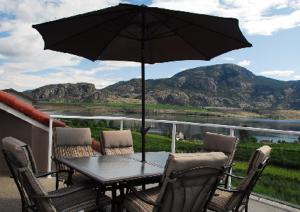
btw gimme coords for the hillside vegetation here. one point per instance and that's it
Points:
(225, 85)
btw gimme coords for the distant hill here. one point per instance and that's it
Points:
(225, 85)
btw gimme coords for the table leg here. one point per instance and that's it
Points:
(114, 198)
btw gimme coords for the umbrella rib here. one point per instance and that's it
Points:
(175, 32)
(208, 29)
(86, 30)
(116, 34)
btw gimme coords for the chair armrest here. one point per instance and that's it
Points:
(38, 175)
(60, 194)
(228, 190)
(234, 176)
(138, 195)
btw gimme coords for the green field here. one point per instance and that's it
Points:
(281, 179)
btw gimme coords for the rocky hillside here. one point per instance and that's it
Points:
(225, 85)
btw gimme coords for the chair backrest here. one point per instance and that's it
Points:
(71, 143)
(116, 142)
(18, 155)
(189, 181)
(256, 165)
(16, 150)
(213, 142)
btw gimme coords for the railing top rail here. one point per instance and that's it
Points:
(288, 132)
(87, 117)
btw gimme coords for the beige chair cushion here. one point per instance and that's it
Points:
(14, 147)
(117, 142)
(182, 161)
(189, 192)
(65, 136)
(133, 204)
(258, 157)
(213, 142)
(119, 138)
(119, 151)
(219, 200)
(196, 189)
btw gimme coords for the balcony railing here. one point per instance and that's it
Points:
(174, 124)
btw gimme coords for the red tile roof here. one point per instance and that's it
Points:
(28, 110)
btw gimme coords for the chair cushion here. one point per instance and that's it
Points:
(14, 147)
(219, 200)
(182, 161)
(118, 138)
(84, 200)
(73, 151)
(65, 136)
(186, 161)
(119, 151)
(134, 204)
(258, 157)
(213, 142)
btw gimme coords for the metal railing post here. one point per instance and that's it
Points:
(173, 145)
(121, 124)
(228, 186)
(50, 144)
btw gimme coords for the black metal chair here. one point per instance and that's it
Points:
(33, 195)
(188, 184)
(225, 200)
(70, 143)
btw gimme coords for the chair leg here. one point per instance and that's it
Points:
(56, 181)
(246, 207)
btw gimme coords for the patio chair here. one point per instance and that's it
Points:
(213, 142)
(9, 144)
(237, 199)
(33, 195)
(71, 143)
(116, 142)
(188, 183)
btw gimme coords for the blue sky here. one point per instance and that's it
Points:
(272, 26)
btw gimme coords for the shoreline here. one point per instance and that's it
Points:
(126, 108)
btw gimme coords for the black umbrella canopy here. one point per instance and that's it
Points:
(118, 33)
(143, 34)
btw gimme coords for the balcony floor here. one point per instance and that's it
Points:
(10, 199)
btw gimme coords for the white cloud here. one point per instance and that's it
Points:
(22, 53)
(256, 16)
(22, 46)
(296, 77)
(278, 73)
(244, 63)
(24, 81)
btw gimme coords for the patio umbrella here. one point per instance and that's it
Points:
(143, 34)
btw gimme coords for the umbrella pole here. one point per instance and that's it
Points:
(143, 129)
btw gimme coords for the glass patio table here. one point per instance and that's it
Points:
(111, 169)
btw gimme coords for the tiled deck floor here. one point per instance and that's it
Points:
(10, 199)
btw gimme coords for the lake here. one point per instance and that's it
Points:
(196, 132)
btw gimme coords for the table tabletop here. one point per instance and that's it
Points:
(110, 169)
(155, 158)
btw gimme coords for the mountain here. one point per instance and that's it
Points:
(224, 85)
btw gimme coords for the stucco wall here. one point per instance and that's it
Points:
(35, 137)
